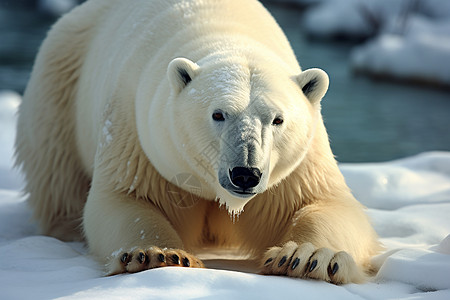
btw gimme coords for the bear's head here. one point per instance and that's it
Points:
(243, 126)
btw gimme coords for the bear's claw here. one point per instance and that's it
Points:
(306, 261)
(139, 260)
(125, 258)
(332, 271)
(175, 259)
(313, 265)
(186, 262)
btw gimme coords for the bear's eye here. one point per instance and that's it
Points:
(218, 116)
(277, 121)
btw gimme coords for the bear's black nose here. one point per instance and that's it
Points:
(245, 178)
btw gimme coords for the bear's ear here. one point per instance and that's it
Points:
(314, 84)
(181, 71)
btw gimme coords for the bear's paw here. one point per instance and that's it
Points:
(307, 261)
(138, 259)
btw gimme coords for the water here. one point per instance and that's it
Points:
(366, 120)
(369, 120)
(21, 32)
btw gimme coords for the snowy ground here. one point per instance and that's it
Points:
(408, 201)
(408, 40)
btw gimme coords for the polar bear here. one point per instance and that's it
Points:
(153, 129)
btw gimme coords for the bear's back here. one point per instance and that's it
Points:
(160, 24)
(142, 33)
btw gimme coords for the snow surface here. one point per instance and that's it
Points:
(408, 201)
(407, 39)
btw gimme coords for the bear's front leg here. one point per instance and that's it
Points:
(332, 242)
(129, 234)
(307, 261)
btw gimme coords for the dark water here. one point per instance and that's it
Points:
(21, 32)
(366, 120)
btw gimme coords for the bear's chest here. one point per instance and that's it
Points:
(218, 228)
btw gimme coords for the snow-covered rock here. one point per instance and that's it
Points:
(408, 40)
(421, 53)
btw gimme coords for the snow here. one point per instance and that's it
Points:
(107, 132)
(56, 7)
(9, 103)
(420, 53)
(407, 40)
(408, 201)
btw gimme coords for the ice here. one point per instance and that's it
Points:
(420, 54)
(56, 7)
(8, 106)
(9, 102)
(408, 40)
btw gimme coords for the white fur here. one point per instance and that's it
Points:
(120, 102)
